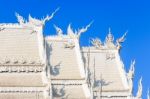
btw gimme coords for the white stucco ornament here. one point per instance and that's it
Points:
(109, 41)
(130, 76)
(20, 19)
(34, 21)
(77, 33)
(59, 31)
(97, 43)
(140, 88)
(120, 40)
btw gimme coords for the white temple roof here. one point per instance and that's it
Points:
(19, 45)
(108, 68)
(65, 62)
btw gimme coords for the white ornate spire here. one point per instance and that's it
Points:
(140, 88)
(58, 30)
(109, 41)
(110, 37)
(20, 18)
(130, 76)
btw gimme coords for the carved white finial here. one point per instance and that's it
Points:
(82, 30)
(121, 40)
(132, 68)
(58, 30)
(20, 18)
(49, 17)
(130, 76)
(34, 21)
(140, 88)
(77, 34)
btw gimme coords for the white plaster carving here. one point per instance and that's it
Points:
(20, 69)
(140, 88)
(110, 56)
(109, 41)
(49, 17)
(130, 76)
(77, 33)
(19, 61)
(97, 43)
(58, 31)
(120, 40)
(20, 19)
(69, 44)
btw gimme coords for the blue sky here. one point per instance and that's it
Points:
(120, 15)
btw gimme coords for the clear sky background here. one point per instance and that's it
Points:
(120, 15)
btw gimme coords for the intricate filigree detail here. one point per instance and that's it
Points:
(19, 61)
